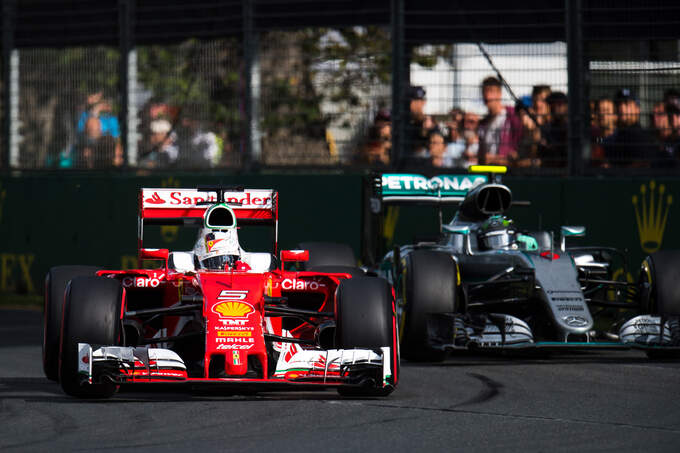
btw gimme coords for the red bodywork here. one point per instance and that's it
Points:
(236, 326)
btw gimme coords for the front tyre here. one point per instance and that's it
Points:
(365, 319)
(55, 285)
(91, 314)
(429, 287)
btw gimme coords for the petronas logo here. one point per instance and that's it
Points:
(651, 213)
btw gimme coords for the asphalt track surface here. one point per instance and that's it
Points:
(605, 401)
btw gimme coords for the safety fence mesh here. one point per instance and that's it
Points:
(550, 87)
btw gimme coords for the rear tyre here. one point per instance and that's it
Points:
(91, 315)
(365, 320)
(429, 286)
(55, 285)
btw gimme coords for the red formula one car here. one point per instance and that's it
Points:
(218, 314)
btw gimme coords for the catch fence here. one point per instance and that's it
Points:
(585, 87)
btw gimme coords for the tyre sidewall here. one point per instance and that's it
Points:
(56, 281)
(91, 314)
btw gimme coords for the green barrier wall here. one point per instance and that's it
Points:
(50, 220)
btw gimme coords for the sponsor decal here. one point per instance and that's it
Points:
(154, 199)
(232, 294)
(651, 214)
(240, 347)
(233, 309)
(565, 307)
(304, 285)
(168, 197)
(143, 282)
(235, 340)
(231, 333)
(408, 184)
(236, 357)
(575, 321)
(210, 243)
(232, 324)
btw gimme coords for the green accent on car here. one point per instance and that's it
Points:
(530, 243)
(406, 184)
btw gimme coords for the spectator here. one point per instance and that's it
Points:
(668, 135)
(554, 153)
(631, 145)
(375, 151)
(500, 130)
(163, 148)
(602, 130)
(98, 144)
(470, 126)
(455, 147)
(198, 148)
(419, 124)
(539, 104)
(531, 141)
(436, 149)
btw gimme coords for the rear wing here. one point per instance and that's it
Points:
(186, 206)
(407, 188)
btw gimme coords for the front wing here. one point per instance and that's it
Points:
(334, 367)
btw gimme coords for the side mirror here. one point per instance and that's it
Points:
(154, 254)
(570, 231)
(462, 230)
(294, 256)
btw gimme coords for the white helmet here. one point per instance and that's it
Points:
(217, 246)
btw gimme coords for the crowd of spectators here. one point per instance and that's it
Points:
(170, 138)
(531, 133)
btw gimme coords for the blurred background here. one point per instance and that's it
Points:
(101, 98)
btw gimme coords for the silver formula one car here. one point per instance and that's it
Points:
(486, 283)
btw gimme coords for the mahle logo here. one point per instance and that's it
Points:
(651, 214)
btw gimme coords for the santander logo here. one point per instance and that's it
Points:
(154, 199)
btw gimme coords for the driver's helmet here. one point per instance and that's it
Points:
(217, 246)
(497, 232)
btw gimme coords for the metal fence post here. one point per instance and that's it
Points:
(251, 74)
(398, 101)
(577, 138)
(126, 81)
(8, 13)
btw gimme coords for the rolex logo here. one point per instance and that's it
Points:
(651, 213)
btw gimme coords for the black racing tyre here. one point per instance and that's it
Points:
(91, 314)
(429, 286)
(661, 270)
(55, 285)
(365, 319)
(328, 254)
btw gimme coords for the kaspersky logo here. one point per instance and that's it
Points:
(651, 214)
